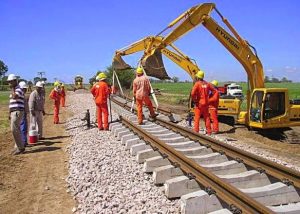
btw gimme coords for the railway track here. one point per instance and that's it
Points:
(208, 175)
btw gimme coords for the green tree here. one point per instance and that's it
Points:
(36, 79)
(3, 69)
(275, 80)
(284, 79)
(126, 77)
(175, 79)
(267, 79)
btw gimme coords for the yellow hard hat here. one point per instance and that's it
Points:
(215, 83)
(101, 76)
(139, 70)
(200, 74)
(56, 83)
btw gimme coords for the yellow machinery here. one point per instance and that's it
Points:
(154, 67)
(78, 82)
(266, 107)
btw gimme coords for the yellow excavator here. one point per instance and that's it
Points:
(78, 82)
(266, 107)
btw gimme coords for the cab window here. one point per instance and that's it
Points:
(256, 104)
(274, 105)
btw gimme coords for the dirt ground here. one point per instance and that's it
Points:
(34, 182)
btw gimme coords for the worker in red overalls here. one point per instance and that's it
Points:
(101, 92)
(63, 96)
(141, 92)
(200, 95)
(55, 95)
(213, 104)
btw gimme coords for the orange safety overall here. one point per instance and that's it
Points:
(101, 92)
(141, 91)
(63, 97)
(200, 93)
(213, 110)
(55, 95)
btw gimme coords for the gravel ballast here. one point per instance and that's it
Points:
(103, 177)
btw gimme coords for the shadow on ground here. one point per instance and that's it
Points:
(42, 149)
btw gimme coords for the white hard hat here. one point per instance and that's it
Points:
(23, 84)
(11, 77)
(43, 82)
(39, 84)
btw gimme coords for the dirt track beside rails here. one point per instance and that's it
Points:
(34, 182)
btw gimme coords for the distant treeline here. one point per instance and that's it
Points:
(276, 80)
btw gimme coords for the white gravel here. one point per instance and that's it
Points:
(103, 177)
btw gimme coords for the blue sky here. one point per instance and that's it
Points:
(69, 37)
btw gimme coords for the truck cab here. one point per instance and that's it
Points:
(235, 90)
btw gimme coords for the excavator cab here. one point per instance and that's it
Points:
(268, 108)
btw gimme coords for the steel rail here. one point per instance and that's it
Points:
(226, 192)
(285, 174)
(282, 173)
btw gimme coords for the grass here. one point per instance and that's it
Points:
(4, 122)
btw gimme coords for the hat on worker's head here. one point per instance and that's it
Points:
(215, 83)
(62, 85)
(43, 82)
(200, 74)
(139, 70)
(101, 76)
(56, 83)
(39, 84)
(23, 84)
(11, 77)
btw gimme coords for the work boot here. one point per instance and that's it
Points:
(18, 151)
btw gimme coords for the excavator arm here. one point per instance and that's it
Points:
(153, 63)
(233, 42)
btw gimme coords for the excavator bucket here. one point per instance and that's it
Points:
(119, 64)
(154, 66)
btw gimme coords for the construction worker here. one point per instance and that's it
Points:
(16, 112)
(141, 92)
(200, 95)
(213, 104)
(100, 93)
(43, 92)
(24, 122)
(63, 96)
(36, 109)
(55, 95)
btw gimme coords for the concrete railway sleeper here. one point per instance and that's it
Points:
(253, 186)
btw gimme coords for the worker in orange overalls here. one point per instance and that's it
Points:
(63, 96)
(213, 104)
(141, 92)
(200, 95)
(55, 95)
(101, 92)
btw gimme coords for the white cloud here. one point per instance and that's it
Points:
(289, 69)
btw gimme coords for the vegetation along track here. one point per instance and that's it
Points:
(187, 162)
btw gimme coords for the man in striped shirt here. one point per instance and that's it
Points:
(16, 109)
